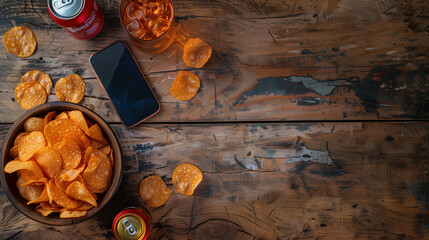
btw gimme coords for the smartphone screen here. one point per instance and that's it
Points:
(125, 84)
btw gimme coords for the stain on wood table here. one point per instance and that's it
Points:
(311, 121)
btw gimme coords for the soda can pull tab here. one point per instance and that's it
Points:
(61, 3)
(129, 227)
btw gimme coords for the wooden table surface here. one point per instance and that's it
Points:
(311, 121)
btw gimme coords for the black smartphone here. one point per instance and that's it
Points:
(124, 82)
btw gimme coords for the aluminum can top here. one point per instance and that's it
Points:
(66, 9)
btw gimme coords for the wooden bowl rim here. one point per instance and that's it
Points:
(19, 202)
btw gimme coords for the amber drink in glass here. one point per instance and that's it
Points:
(149, 23)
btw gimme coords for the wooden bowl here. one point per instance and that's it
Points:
(8, 181)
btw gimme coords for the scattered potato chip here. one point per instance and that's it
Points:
(19, 137)
(30, 144)
(185, 86)
(72, 214)
(154, 191)
(40, 77)
(63, 185)
(70, 88)
(186, 178)
(29, 192)
(49, 117)
(34, 124)
(78, 191)
(14, 152)
(95, 132)
(56, 130)
(20, 41)
(70, 153)
(196, 52)
(98, 173)
(49, 160)
(30, 94)
(77, 117)
(60, 197)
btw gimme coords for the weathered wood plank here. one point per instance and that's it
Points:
(272, 94)
(374, 67)
(268, 181)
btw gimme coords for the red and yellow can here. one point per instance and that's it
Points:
(131, 224)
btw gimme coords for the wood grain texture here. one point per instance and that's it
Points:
(295, 60)
(268, 181)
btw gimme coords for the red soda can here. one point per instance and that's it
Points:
(131, 224)
(82, 19)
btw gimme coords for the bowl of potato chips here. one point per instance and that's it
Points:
(61, 163)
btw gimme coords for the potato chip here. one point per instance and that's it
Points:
(30, 94)
(106, 150)
(186, 178)
(80, 138)
(91, 152)
(72, 214)
(70, 153)
(95, 132)
(70, 88)
(77, 117)
(49, 117)
(30, 144)
(62, 116)
(14, 152)
(51, 206)
(34, 124)
(71, 174)
(32, 176)
(78, 191)
(95, 190)
(185, 86)
(96, 144)
(154, 191)
(30, 192)
(43, 197)
(98, 173)
(19, 137)
(63, 185)
(60, 197)
(56, 130)
(49, 160)
(30, 165)
(40, 77)
(20, 41)
(44, 212)
(196, 52)
(84, 206)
